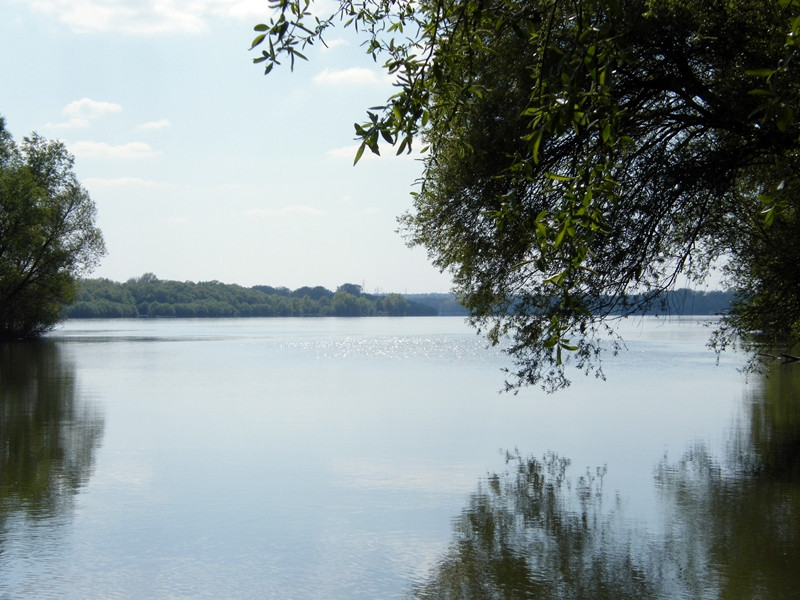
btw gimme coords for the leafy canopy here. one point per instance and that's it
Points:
(47, 234)
(584, 154)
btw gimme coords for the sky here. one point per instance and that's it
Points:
(201, 167)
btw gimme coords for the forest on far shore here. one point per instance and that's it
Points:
(148, 296)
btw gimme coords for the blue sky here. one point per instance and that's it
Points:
(200, 166)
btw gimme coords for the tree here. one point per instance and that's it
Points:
(395, 305)
(47, 234)
(345, 304)
(350, 288)
(583, 155)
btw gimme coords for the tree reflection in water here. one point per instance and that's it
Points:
(731, 525)
(534, 533)
(47, 434)
(735, 523)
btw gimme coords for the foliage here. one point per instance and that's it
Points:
(47, 234)
(148, 296)
(583, 155)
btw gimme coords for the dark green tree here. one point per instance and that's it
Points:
(395, 305)
(345, 304)
(315, 293)
(48, 236)
(350, 288)
(583, 155)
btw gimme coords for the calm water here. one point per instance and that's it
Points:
(375, 458)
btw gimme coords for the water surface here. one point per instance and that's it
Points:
(375, 458)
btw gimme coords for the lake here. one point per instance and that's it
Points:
(376, 458)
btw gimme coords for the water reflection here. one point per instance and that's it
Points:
(730, 525)
(773, 444)
(735, 521)
(532, 532)
(48, 436)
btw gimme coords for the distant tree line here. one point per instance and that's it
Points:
(681, 302)
(677, 302)
(148, 296)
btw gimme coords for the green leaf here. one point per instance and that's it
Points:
(403, 145)
(550, 342)
(769, 217)
(522, 263)
(558, 177)
(536, 143)
(785, 118)
(372, 142)
(606, 133)
(760, 72)
(359, 152)
(257, 40)
(560, 237)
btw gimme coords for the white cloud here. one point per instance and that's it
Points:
(130, 150)
(160, 124)
(351, 76)
(146, 17)
(74, 123)
(246, 9)
(348, 152)
(331, 44)
(235, 187)
(82, 112)
(285, 211)
(86, 108)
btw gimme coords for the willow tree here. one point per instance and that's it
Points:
(582, 155)
(48, 237)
